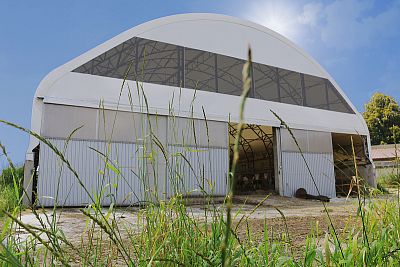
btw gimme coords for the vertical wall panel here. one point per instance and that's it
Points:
(201, 167)
(122, 185)
(317, 150)
(296, 175)
(194, 168)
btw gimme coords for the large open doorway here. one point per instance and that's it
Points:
(255, 171)
(346, 160)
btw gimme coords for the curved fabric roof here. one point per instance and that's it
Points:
(220, 34)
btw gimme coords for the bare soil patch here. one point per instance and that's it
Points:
(301, 217)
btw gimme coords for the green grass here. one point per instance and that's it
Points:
(10, 192)
(389, 179)
(8, 201)
(165, 233)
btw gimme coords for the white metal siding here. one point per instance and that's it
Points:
(295, 174)
(124, 186)
(205, 167)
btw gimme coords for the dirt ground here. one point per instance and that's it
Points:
(301, 217)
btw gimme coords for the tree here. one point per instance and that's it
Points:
(382, 115)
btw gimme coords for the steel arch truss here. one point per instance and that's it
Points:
(246, 143)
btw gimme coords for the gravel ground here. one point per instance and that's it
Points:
(301, 216)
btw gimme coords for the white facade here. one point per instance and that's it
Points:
(219, 34)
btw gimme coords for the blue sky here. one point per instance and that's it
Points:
(358, 42)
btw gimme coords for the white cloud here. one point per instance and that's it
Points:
(310, 14)
(341, 24)
(349, 25)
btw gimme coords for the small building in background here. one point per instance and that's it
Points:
(386, 159)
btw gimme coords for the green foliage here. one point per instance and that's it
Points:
(389, 179)
(381, 188)
(6, 176)
(165, 233)
(8, 193)
(169, 236)
(8, 201)
(382, 115)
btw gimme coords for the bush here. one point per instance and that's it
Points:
(8, 200)
(8, 197)
(389, 179)
(381, 187)
(6, 177)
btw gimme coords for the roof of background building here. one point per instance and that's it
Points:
(384, 152)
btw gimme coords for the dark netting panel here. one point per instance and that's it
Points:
(166, 64)
(265, 82)
(157, 62)
(113, 63)
(290, 87)
(200, 71)
(336, 101)
(315, 92)
(229, 73)
(138, 59)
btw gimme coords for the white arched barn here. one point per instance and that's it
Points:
(161, 102)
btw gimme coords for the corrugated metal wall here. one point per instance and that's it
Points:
(295, 174)
(188, 171)
(193, 169)
(122, 186)
(318, 153)
(128, 130)
(198, 158)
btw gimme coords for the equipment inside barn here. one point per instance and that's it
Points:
(255, 169)
(346, 160)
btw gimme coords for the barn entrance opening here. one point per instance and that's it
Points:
(255, 172)
(348, 154)
(36, 152)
